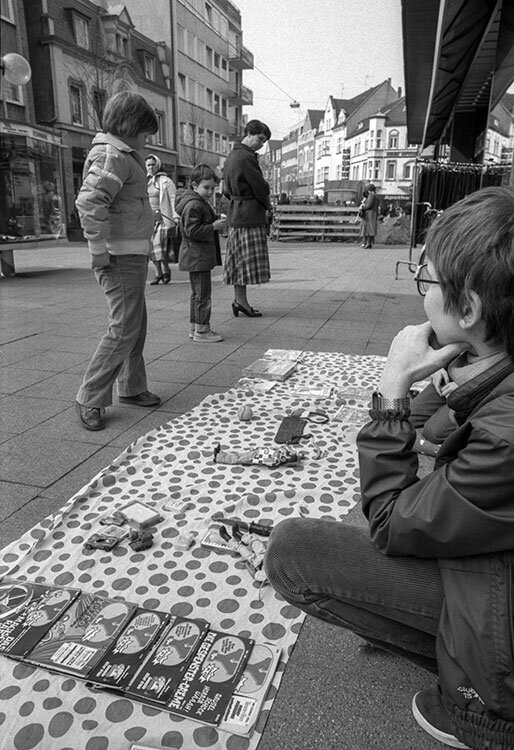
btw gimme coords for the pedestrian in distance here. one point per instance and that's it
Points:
(369, 217)
(117, 220)
(246, 256)
(161, 192)
(200, 249)
(432, 581)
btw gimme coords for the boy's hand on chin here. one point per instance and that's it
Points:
(412, 358)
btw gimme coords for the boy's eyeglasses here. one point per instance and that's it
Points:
(423, 279)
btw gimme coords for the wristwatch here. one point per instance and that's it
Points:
(379, 403)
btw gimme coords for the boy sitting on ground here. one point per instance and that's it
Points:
(433, 579)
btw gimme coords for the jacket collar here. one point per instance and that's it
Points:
(112, 141)
(469, 395)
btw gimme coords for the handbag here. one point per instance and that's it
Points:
(361, 213)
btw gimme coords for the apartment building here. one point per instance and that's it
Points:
(306, 137)
(81, 53)
(498, 141)
(330, 157)
(380, 152)
(270, 162)
(205, 42)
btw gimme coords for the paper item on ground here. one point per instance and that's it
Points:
(290, 355)
(313, 391)
(256, 385)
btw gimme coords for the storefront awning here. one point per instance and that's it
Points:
(458, 57)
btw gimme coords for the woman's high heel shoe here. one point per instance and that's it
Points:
(249, 312)
(156, 280)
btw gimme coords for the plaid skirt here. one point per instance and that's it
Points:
(246, 256)
(159, 245)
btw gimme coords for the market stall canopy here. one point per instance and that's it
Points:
(458, 58)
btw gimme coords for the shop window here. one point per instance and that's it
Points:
(149, 67)
(31, 204)
(393, 139)
(81, 30)
(391, 170)
(77, 104)
(7, 10)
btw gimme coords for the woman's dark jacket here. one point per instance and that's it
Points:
(246, 188)
(369, 220)
(200, 246)
(462, 514)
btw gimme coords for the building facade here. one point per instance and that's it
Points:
(81, 53)
(31, 154)
(270, 162)
(204, 40)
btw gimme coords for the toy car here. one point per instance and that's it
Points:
(101, 541)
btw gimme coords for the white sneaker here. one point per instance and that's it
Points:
(207, 337)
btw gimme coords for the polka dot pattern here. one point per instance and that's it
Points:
(172, 469)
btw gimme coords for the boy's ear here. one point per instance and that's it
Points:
(471, 310)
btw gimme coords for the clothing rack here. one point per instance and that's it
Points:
(437, 185)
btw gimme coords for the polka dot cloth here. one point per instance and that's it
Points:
(172, 469)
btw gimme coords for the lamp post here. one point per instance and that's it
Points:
(15, 69)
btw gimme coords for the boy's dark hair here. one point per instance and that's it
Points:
(256, 127)
(471, 245)
(202, 172)
(128, 114)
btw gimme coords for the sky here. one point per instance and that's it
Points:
(311, 50)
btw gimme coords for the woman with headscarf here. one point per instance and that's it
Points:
(161, 192)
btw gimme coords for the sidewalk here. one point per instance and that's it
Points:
(322, 297)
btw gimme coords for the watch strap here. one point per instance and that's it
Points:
(380, 403)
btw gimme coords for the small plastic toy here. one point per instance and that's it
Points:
(101, 541)
(140, 540)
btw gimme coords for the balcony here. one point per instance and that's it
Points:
(241, 59)
(242, 98)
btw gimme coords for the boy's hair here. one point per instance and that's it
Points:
(128, 114)
(471, 245)
(256, 127)
(202, 172)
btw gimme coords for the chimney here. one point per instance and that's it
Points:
(399, 92)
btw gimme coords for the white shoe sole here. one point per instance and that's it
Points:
(447, 739)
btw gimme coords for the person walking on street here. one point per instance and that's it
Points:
(161, 192)
(117, 220)
(370, 217)
(246, 256)
(200, 248)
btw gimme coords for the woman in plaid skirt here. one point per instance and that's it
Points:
(161, 192)
(246, 257)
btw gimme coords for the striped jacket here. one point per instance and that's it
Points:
(113, 201)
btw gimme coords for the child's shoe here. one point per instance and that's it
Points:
(207, 337)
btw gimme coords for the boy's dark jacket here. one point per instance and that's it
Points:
(246, 188)
(200, 246)
(461, 514)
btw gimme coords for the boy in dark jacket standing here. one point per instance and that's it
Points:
(433, 581)
(200, 248)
